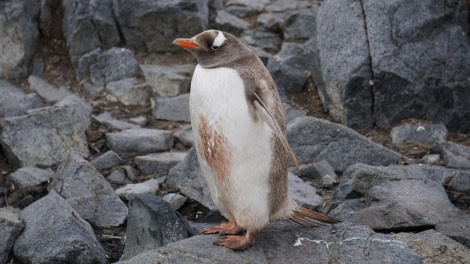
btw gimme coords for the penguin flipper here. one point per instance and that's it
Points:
(268, 117)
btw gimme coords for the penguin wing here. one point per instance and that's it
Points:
(268, 117)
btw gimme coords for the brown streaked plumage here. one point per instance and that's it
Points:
(240, 137)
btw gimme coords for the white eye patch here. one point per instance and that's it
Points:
(219, 40)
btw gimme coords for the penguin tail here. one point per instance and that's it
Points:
(307, 217)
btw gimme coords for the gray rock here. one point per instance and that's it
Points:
(341, 68)
(152, 224)
(106, 118)
(185, 135)
(297, 26)
(84, 63)
(283, 6)
(175, 200)
(267, 41)
(168, 81)
(43, 137)
(303, 193)
(88, 192)
(321, 169)
(129, 91)
(172, 108)
(46, 90)
(19, 31)
(408, 53)
(156, 163)
(290, 243)
(455, 155)
(117, 176)
(83, 107)
(130, 191)
(432, 134)
(314, 140)
(107, 160)
(167, 20)
(241, 8)
(14, 102)
(11, 226)
(457, 228)
(367, 49)
(89, 24)
(142, 140)
(130, 172)
(291, 67)
(434, 247)
(269, 21)
(393, 197)
(461, 181)
(229, 23)
(431, 158)
(55, 233)
(139, 120)
(31, 176)
(292, 113)
(187, 177)
(113, 65)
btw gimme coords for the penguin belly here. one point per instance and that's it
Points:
(233, 148)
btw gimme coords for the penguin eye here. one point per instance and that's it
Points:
(214, 47)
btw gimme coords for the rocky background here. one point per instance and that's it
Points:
(96, 163)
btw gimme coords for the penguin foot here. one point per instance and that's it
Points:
(228, 228)
(237, 242)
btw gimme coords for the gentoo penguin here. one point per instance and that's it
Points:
(240, 137)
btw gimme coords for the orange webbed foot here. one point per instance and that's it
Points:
(228, 228)
(237, 242)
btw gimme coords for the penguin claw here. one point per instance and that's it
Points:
(236, 242)
(228, 228)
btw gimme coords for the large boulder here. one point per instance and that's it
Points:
(44, 137)
(11, 225)
(18, 36)
(55, 233)
(153, 25)
(379, 62)
(290, 243)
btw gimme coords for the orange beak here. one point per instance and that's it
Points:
(185, 43)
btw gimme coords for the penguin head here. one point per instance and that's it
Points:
(213, 48)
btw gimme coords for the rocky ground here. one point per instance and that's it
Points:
(403, 192)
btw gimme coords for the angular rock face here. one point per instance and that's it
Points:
(19, 31)
(44, 136)
(393, 197)
(88, 192)
(55, 233)
(14, 102)
(314, 139)
(378, 62)
(152, 25)
(11, 226)
(152, 224)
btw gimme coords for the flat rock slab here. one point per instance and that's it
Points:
(393, 197)
(129, 191)
(290, 243)
(107, 119)
(43, 137)
(158, 162)
(142, 140)
(314, 139)
(434, 247)
(14, 102)
(31, 176)
(457, 228)
(55, 233)
(88, 192)
(172, 108)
